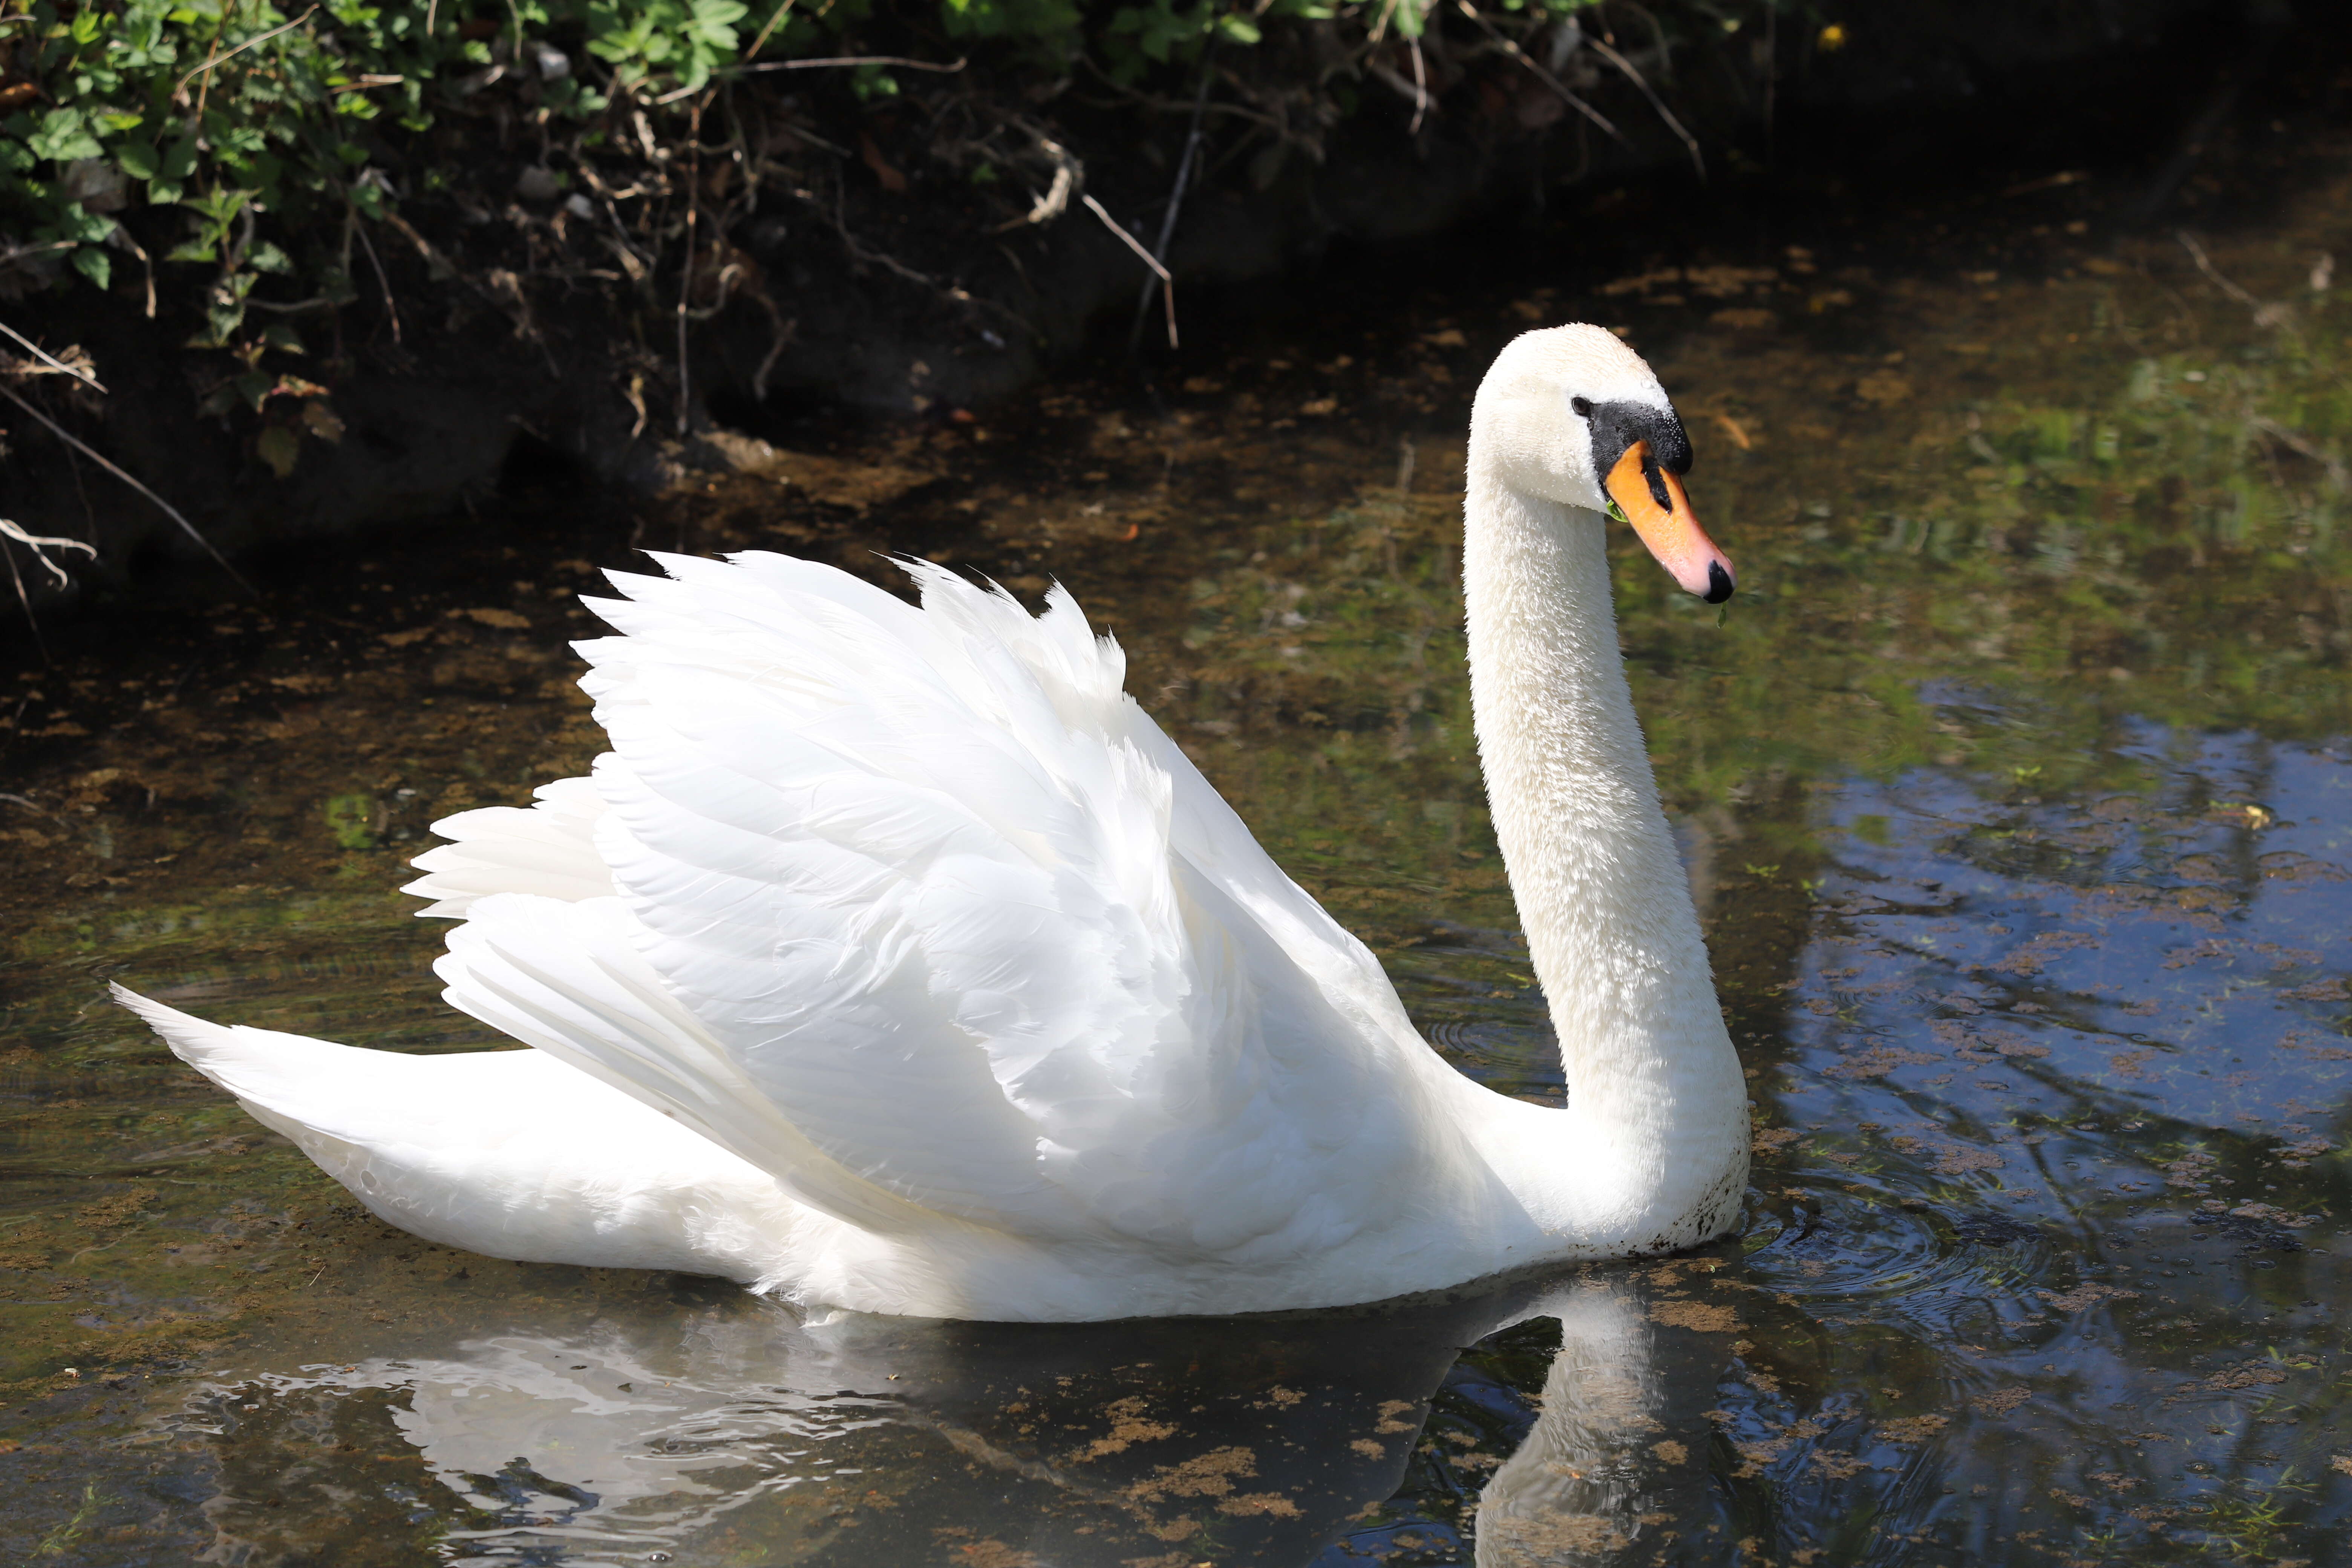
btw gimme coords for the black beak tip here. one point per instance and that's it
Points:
(1718, 583)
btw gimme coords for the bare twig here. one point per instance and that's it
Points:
(864, 254)
(1601, 47)
(1069, 175)
(223, 59)
(40, 542)
(52, 361)
(770, 27)
(2267, 313)
(1511, 49)
(685, 273)
(898, 60)
(436, 265)
(145, 260)
(1415, 92)
(26, 601)
(1175, 200)
(293, 307)
(84, 447)
(391, 307)
(1166, 284)
(1421, 99)
(785, 332)
(2338, 469)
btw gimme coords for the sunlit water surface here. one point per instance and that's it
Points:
(2014, 787)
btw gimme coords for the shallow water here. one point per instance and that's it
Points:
(2016, 788)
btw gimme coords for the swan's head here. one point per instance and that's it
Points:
(1571, 414)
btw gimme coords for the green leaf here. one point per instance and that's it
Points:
(281, 336)
(85, 227)
(64, 136)
(281, 448)
(179, 159)
(138, 159)
(93, 264)
(267, 257)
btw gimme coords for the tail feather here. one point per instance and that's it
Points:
(260, 1067)
(511, 1153)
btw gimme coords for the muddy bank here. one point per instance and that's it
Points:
(871, 269)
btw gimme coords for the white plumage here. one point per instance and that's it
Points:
(893, 958)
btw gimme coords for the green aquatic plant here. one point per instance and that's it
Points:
(62, 1539)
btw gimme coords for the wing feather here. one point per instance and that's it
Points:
(549, 848)
(916, 909)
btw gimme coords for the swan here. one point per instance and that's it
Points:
(894, 960)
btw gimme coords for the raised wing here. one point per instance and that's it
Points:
(932, 909)
(549, 849)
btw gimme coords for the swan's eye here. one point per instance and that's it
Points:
(1583, 407)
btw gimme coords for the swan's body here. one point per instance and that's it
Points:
(895, 960)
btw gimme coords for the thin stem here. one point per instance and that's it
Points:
(45, 357)
(223, 59)
(382, 282)
(1166, 283)
(1175, 198)
(1511, 49)
(768, 29)
(84, 447)
(899, 60)
(685, 274)
(1635, 76)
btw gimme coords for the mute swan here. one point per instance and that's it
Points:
(894, 960)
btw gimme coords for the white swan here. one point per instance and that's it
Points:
(894, 960)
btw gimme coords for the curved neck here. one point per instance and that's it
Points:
(1656, 1098)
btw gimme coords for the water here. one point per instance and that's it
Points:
(2015, 788)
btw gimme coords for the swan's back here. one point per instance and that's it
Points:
(914, 908)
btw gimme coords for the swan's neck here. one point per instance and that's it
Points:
(1656, 1124)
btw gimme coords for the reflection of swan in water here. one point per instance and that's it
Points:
(722, 1429)
(1608, 1459)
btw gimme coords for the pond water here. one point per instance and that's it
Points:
(2015, 786)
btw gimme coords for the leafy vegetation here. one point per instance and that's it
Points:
(274, 130)
(242, 168)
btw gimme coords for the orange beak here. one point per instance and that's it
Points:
(1653, 501)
